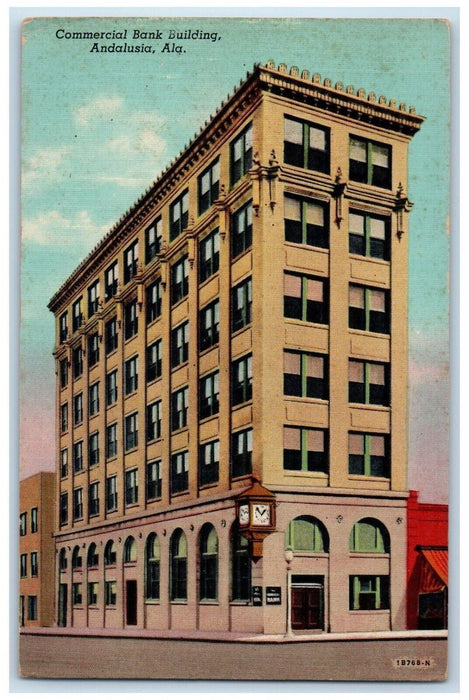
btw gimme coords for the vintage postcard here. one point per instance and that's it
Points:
(234, 348)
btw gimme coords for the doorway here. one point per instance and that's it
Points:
(62, 618)
(307, 603)
(131, 602)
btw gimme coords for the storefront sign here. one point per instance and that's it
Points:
(273, 595)
(256, 595)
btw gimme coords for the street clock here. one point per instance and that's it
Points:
(256, 515)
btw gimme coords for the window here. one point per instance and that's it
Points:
(305, 449)
(209, 320)
(131, 431)
(111, 277)
(208, 556)
(179, 405)
(77, 409)
(78, 456)
(77, 315)
(77, 597)
(111, 441)
(64, 417)
(240, 567)
(241, 380)
(111, 493)
(130, 262)
(306, 145)
(63, 508)
(153, 567)
(77, 561)
(305, 375)
(93, 449)
(179, 280)
(209, 461)
(178, 215)
(111, 335)
(368, 454)
(93, 399)
(34, 564)
(92, 593)
(110, 588)
(78, 504)
(131, 375)
(64, 463)
(369, 235)
(368, 309)
(208, 185)
(368, 383)
(111, 387)
(130, 551)
(32, 607)
(154, 361)
(241, 230)
(370, 162)
(110, 553)
(23, 524)
(153, 239)
(93, 298)
(154, 480)
(63, 370)
(209, 395)
(307, 534)
(305, 298)
(209, 255)
(179, 472)
(94, 498)
(154, 421)
(241, 155)
(178, 566)
(369, 592)
(93, 557)
(23, 565)
(306, 222)
(369, 535)
(130, 319)
(241, 453)
(241, 302)
(180, 344)
(154, 299)
(63, 559)
(131, 487)
(63, 327)
(77, 359)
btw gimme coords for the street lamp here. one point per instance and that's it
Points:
(288, 561)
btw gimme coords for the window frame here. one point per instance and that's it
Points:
(212, 171)
(365, 467)
(362, 392)
(111, 335)
(131, 375)
(77, 456)
(208, 564)
(78, 409)
(379, 588)
(209, 255)
(154, 420)
(314, 159)
(316, 238)
(179, 408)
(316, 387)
(111, 493)
(154, 360)
(111, 441)
(111, 387)
(361, 317)
(241, 378)
(298, 308)
(209, 470)
(131, 486)
(77, 504)
(241, 461)
(153, 239)
(131, 261)
(131, 319)
(368, 177)
(93, 499)
(244, 140)
(131, 431)
(241, 230)
(153, 305)
(365, 239)
(77, 358)
(93, 399)
(179, 344)
(77, 314)
(209, 404)
(93, 449)
(209, 325)
(241, 316)
(179, 287)
(179, 208)
(111, 281)
(307, 460)
(93, 298)
(179, 482)
(63, 327)
(153, 480)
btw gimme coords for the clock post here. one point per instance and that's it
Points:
(255, 509)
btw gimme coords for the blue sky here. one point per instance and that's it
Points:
(98, 128)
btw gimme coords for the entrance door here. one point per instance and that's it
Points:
(62, 618)
(307, 606)
(131, 602)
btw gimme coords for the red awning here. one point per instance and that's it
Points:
(434, 571)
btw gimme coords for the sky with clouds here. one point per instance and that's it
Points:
(98, 128)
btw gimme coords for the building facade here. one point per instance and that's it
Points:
(244, 323)
(37, 550)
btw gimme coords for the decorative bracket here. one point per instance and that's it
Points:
(338, 194)
(403, 204)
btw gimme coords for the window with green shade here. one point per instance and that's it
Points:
(306, 145)
(369, 592)
(307, 534)
(369, 535)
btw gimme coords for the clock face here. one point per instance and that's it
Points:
(244, 514)
(260, 514)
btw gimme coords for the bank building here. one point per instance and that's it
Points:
(231, 364)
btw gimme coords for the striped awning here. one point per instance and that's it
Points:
(434, 570)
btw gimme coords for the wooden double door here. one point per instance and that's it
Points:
(307, 603)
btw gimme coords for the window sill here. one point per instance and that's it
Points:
(365, 477)
(110, 353)
(180, 493)
(368, 612)
(178, 602)
(130, 506)
(369, 555)
(369, 334)
(154, 441)
(155, 499)
(307, 399)
(131, 449)
(206, 419)
(305, 324)
(132, 393)
(178, 367)
(204, 487)
(240, 255)
(304, 472)
(208, 603)
(152, 601)
(111, 459)
(307, 247)
(206, 350)
(370, 407)
(369, 258)
(238, 331)
(208, 279)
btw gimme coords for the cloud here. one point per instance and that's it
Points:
(44, 165)
(98, 109)
(54, 229)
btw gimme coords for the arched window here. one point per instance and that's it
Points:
(76, 558)
(93, 558)
(130, 550)
(110, 553)
(178, 566)
(307, 534)
(208, 553)
(153, 567)
(369, 535)
(63, 559)
(240, 566)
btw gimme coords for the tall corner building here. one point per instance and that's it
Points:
(232, 378)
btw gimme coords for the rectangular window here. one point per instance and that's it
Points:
(130, 319)
(178, 215)
(131, 487)
(78, 456)
(34, 564)
(64, 463)
(368, 454)
(180, 344)
(368, 383)
(305, 374)
(77, 409)
(153, 239)
(93, 449)
(32, 607)
(78, 504)
(306, 145)
(209, 395)
(241, 453)
(306, 222)
(154, 421)
(92, 593)
(154, 299)
(209, 322)
(369, 235)
(179, 472)
(131, 375)
(111, 441)
(131, 431)
(77, 357)
(111, 336)
(111, 278)
(93, 298)
(179, 280)
(208, 186)
(241, 380)
(209, 255)
(93, 496)
(369, 592)
(130, 262)
(63, 368)
(179, 406)
(241, 155)
(23, 524)
(23, 565)
(77, 314)
(63, 508)
(111, 493)
(154, 361)
(241, 303)
(93, 399)
(368, 309)
(241, 230)
(209, 461)
(64, 417)
(370, 162)
(305, 298)
(77, 597)
(63, 327)
(111, 387)
(305, 449)
(154, 480)
(110, 588)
